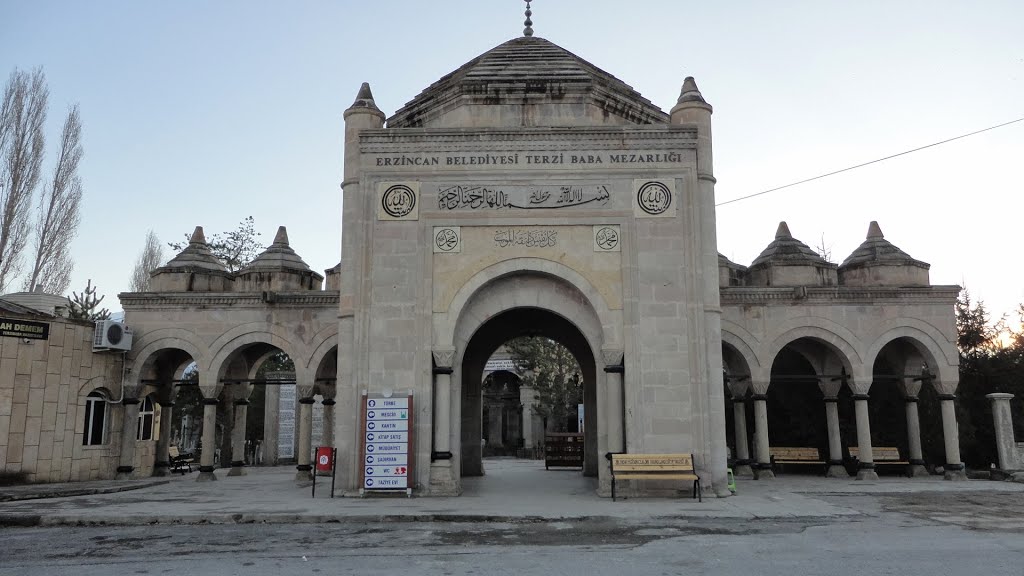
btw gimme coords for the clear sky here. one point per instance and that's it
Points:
(208, 112)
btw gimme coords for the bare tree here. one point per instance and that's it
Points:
(58, 216)
(22, 116)
(152, 256)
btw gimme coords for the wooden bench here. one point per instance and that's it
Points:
(178, 461)
(782, 455)
(881, 455)
(655, 467)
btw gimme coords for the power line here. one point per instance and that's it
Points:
(869, 163)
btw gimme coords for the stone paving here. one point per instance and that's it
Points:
(511, 491)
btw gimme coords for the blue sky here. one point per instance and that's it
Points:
(208, 112)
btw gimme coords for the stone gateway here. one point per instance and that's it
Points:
(531, 193)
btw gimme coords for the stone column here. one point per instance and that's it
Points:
(162, 459)
(741, 466)
(866, 458)
(526, 398)
(241, 405)
(1006, 447)
(442, 479)
(206, 457)
(129, 433)
(910, 388)
(954, 468)
(830, 388)
(305, 431)
(763, 467)
(613, 420)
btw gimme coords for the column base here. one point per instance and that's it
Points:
(917, 471)
(237, 470)
(867, 474)
(206, 474)
(836, 471)
(763, 472)
(303, 473)
(124, 472)
(161, 469)
(954, 472)
(743, 471)
(442, 480)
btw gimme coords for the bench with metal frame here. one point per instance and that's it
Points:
(178, 461)
(655, 467)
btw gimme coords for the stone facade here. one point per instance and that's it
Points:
(43, 388)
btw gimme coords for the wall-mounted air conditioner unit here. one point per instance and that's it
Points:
(111, 335)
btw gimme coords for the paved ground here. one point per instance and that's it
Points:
(513, 490)
(520, 519)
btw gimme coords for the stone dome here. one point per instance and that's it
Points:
(278, 268)
(194, 269)
(789, 262)
(877, 262)
(528, 81)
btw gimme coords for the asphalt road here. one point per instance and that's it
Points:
(906, 535)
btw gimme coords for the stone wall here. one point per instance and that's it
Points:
(43, 386)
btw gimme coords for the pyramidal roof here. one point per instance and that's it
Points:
(528, 67)
(789, 251)
(196, 255)
(278, 256)
(876, 249)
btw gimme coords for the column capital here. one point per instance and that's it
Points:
(210, 401)
(444, 356)
(947, 396)
(761, 397)
(305, 391)
(996, 396)
(612, 357)
(738, 387)
(127, 401)
(759, 387)
(861, 397)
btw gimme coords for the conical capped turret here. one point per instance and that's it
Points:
(278, 268)
(194, 269)
(877, 262)
(789, 262)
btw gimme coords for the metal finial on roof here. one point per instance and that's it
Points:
(529, 23)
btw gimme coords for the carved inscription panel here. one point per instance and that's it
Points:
(591, 251)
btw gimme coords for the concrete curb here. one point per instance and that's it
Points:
(69, 492)
(36, 520)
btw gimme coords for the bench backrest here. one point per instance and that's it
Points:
(878, 453)
(791, 453)
(173, 452)
(652, 463)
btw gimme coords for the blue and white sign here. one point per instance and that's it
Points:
(386, 444)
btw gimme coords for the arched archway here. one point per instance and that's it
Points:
(513, 323)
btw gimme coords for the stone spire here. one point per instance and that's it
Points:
(690, 92)
(528, 23)
(787, 250)
(789, 262)
(364, 99)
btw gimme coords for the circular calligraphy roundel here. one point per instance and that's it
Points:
(398, 201)
(607, 238)
(446, 239)
(654, 198)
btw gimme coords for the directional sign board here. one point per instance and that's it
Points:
(387, 441)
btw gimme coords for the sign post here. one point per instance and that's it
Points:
(386, 455)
